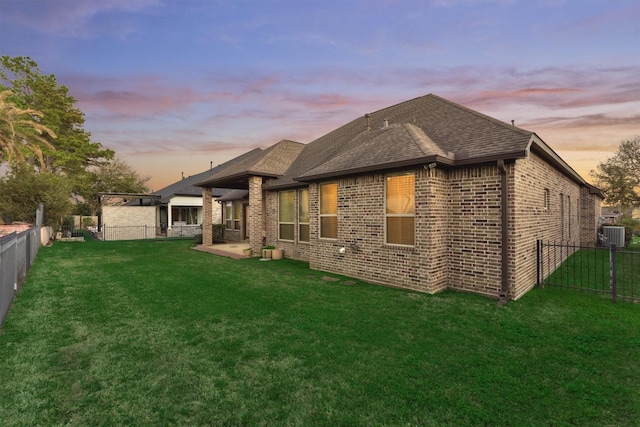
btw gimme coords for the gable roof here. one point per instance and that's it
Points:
(412, 133)
(186, 187)
(271, 162)
(421, 130)
(391, 146)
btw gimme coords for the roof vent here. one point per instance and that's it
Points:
(367, 116)
(385, 123)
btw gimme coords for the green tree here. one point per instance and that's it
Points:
(619, 176)
(74, 151)
(22, 190)
(88, 167)
(115, 176)
(21, 133)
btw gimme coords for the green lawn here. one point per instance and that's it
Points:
(589, 270)
(152, 333)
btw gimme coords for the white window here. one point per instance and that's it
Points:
(232, 212)
(303, 215)
(286, 215)
(400, 209)
(546, 200)
(329, 211)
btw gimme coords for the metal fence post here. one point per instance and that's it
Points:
(612, 272)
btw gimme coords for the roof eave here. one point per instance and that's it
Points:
(440, 160)
(549, 155)
(236, 181)
(374, 168)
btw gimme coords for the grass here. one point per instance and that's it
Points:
(154, 333)
(589, 270)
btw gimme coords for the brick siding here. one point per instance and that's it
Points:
(457, 224)
(560, 222)
(207, 217)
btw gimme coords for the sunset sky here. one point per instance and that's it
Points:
(172, 86)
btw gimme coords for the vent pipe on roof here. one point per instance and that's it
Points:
(182, 173)
(367, 116)
(385, 123)
(513, 122)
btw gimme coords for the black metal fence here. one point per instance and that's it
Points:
(601, 270)
(141, 232)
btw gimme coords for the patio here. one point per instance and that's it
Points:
(230, 250)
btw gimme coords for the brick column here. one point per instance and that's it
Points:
(207, 220)
(256, 214)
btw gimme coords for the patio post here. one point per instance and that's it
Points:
(207, 213)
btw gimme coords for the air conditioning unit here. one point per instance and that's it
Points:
(614, 235)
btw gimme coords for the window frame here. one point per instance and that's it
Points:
(299, 217)
(400, 215)
(327, 215)
(233, 215)
(546, 200)
(228, 215)
(293, 216)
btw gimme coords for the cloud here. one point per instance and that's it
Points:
(72, 17)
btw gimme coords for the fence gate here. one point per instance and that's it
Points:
(601, 270)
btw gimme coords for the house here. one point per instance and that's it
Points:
(175, 210)
(425, 194)
(180, 208)
(610, 216)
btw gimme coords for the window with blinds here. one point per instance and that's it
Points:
(329, 211)
(400, 209)
(228, 215)
(232, 214)
(286, 215)
(303, 215)
(237, 213)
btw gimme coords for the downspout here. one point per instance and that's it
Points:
(504, 223)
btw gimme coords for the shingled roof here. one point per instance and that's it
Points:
(419, 131)
(412, 133)
(271, 162)
(187, 187)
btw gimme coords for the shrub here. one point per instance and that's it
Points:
(630, 227)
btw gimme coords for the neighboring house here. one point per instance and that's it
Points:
(126, 216)
(610, 216)
(175, 210)
(180, 209)
(425, 194)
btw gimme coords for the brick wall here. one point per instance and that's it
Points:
(590, 212)
(559, 222)
(207, 218)
(474, 228)
(458, 228)
(256, 222)
(291, 249)
(129, 215)
(361, 233)
(432, 231)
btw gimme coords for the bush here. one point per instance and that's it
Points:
(631, 226)
(198, 238)
(68, 223)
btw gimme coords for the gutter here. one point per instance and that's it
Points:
(504, 290)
